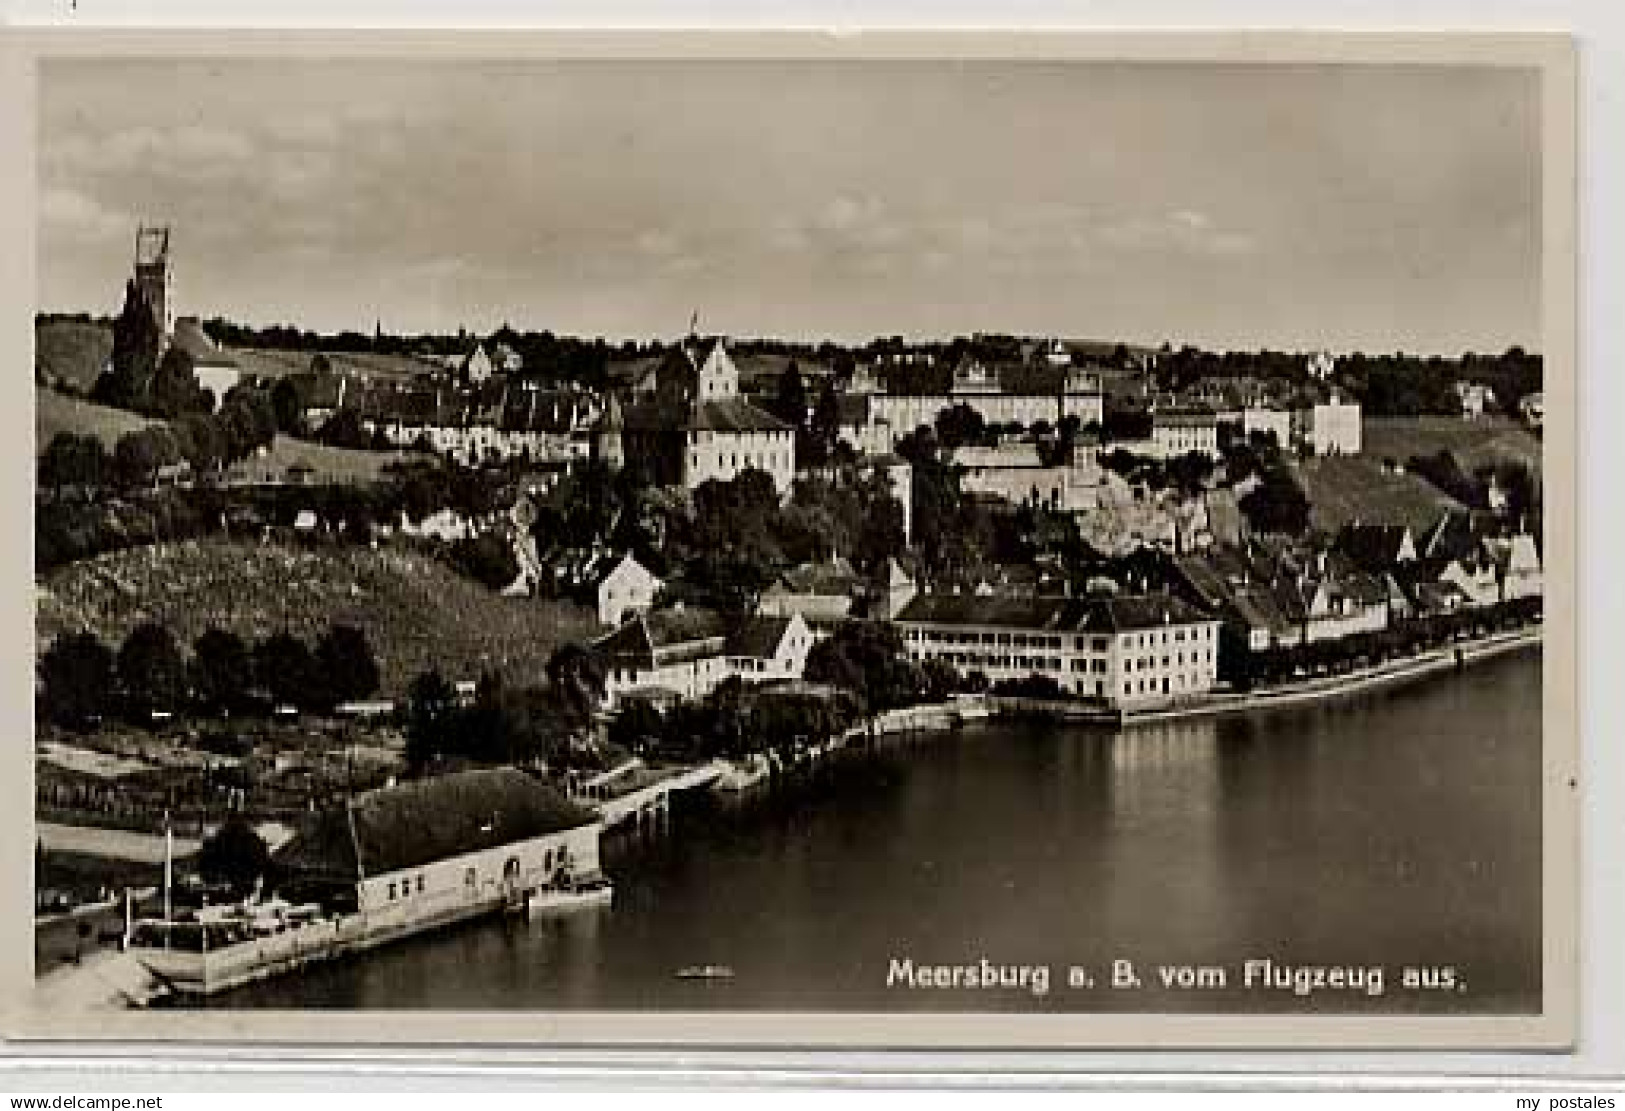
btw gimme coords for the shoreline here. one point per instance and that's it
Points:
(949, 715)
(1390, 673)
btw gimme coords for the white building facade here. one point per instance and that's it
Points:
(1126, 652)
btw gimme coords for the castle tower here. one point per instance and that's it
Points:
(607, 447)
(154, 279)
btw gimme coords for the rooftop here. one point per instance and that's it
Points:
(1091, 615)
(421, 821)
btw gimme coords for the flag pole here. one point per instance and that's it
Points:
(169, 870)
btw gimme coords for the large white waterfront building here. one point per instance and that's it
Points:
(1128, 651)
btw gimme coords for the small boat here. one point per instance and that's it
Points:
(568, 895)
(744, 775)
(705, 972)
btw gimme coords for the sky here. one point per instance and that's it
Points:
(1378, 208)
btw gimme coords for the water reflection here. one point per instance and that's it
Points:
(1400, 826)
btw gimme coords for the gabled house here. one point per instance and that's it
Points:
(687, 652)
(1334, 606)
(695, 426)
(1476, 577)
(761, 649)
(1517, 564)
(1532, 407)
(1475, 398)
(893, 592)
(626, 587)
(477, 368)
(821, 593)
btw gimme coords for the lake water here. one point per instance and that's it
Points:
(1398, 829)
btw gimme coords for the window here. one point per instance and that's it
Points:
(420, 885)
(391, 891)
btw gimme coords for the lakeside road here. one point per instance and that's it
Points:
(118, 844)
(1339, 686)
(1323, 689)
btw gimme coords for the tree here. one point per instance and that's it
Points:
(126, 382)
(487, 559)
(343, 429)
(576, 676)
(234, 855)
(151, 672)
(431, 703)
(135, 459)
(959, 426)
(346, 663)
(791, 402)
(72, 460)
(76, 680)
(1277, 504)
(1190, 472)
(638, 727)
(290, 411)
(222, 671)
(867, 657)
(199, 440)
(284, 668)
(823, 429)
(175, 389)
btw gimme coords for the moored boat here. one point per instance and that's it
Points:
(567, 895)
(745, 774)
(705, 972)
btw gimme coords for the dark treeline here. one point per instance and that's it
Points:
(83, 680)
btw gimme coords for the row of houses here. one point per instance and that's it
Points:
(1369, 578)
(500, 418)
(1320, 418)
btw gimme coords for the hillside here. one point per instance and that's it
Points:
(72, 351)
(54, 412)
(1474, 443)
(416, 612)
(266, 362)
(1346, 488)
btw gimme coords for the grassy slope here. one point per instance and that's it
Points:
(1342, 489)
(55, 412)
(1475, 443)
(416, 612)
(329, 463)
(271, 363)
(72, 351)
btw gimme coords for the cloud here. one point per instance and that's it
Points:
(852, 228)
(191, 152)
(1179, 232)
(305, 129)
(82, 216)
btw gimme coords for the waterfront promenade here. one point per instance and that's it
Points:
(1317, 689)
